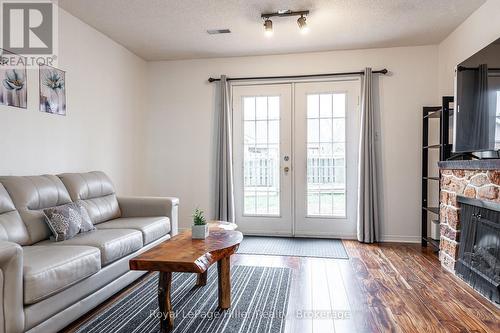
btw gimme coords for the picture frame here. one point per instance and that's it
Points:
(13, 80)
(52, 90)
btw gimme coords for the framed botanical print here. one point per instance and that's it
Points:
(13, 87)
(52, 90)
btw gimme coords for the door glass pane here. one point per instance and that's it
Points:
(261, 108)
(261, 186)
(326, 184)
(325, 105)
(273, 107)
(312, 106)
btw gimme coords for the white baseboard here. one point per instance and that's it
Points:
(326, 235)
(400, 239)
(383, 238)
(297, 234)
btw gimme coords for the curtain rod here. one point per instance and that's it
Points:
(382, 71)
(462, 68)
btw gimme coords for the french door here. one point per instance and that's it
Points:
(262, 146)
(326, 154)
(295, 156)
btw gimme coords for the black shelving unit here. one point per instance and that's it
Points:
(443, 114)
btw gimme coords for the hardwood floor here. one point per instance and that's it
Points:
(382, 288)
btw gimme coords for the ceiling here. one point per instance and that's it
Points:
(176, 29)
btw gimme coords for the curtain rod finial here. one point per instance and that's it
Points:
(211, 79)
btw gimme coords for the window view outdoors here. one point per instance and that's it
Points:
(326, 154)
(261, 155)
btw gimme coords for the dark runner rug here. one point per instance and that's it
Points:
(259, 304)
(294, 247)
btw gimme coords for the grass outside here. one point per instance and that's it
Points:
(317, 204)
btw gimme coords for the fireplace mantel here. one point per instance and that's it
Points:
(487, 164)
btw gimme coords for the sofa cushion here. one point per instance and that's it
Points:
(50, 269)
(68, 220)
(151, 228)
(97, 192)
(12, 228)
(113, 243)
(31, 194)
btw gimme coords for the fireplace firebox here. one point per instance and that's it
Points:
(479, 252)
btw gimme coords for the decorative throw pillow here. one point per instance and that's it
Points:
(68, 220)
(87, 224)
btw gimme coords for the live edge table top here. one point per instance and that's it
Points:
(181, 253)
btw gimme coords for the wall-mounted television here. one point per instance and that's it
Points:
(476, 125)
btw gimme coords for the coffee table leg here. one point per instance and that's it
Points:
(202, 279)
(167, 314)
(224, 272)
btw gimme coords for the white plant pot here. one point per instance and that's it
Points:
(199, 231)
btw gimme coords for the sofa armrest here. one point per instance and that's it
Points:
(11, 284)
(151, 206)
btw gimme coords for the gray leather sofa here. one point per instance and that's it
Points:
(46, 285)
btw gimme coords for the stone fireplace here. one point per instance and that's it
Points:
(469, 215)
(472, 179)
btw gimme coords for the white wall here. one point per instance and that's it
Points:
(180, 123)
(103, 127)
(479, 30)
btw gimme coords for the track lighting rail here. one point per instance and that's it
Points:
(285, 13)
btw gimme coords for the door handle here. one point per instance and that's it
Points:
(286, 169)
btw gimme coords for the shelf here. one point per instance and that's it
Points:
(434, 210)
(438, 146)
(433, 146)
(441, 149)
(436, 113)
(431, 241)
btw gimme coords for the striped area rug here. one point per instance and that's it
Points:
(259, 304)
(294, 247)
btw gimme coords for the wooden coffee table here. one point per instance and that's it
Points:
(183, 254)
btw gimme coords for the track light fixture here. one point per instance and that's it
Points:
(268, 27)
(301, 21)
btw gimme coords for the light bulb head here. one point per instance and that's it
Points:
(301, 22)
(268, 27)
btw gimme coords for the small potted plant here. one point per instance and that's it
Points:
(199, 230)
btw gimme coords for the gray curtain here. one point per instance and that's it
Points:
(368, 205)
(224, 185)
(480, 123)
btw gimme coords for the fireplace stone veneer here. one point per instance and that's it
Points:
(472, 179)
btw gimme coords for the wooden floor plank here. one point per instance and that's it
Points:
(300, 299)
(342, 312)
(321, 302)
(358, 302)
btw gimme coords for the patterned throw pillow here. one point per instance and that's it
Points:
(87, 224)
(68, 220)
